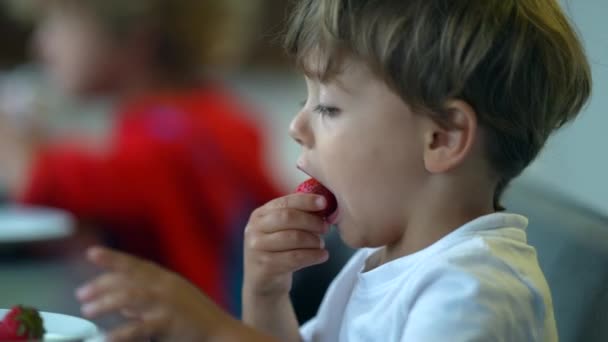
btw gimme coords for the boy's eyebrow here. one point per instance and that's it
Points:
(333, 75)
(334, 80)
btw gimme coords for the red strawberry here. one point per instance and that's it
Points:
(312, 186)
(21, 324)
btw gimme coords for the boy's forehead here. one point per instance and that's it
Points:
(348, 72)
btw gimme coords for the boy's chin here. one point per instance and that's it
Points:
(351, 237)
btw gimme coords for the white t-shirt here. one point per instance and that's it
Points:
(482, 282)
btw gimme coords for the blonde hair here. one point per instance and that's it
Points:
(518, 63)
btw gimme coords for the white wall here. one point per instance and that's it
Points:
(278, 96)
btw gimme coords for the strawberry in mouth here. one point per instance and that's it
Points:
(313, 186)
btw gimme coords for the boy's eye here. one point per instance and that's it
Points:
(327, 111)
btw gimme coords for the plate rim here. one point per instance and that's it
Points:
(62, 222)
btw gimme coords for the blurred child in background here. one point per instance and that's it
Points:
(183, 166)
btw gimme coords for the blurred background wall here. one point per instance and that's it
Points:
(575, 162)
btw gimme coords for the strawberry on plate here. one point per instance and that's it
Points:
(21, 324)
(313, 186)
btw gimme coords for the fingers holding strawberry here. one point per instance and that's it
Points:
(282, 237)
(313, 186)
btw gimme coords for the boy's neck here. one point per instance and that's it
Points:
(441, 211)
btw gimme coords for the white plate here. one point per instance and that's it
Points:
(31, 224)
(65, 328)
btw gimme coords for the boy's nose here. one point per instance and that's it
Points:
(299, 129)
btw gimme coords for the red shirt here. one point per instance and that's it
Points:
(181, 177)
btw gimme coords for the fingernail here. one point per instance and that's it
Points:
(94, 251)
(320, 202)
(325, 257)
(88, 309)
(82, 292)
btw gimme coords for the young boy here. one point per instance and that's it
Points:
(419, 113)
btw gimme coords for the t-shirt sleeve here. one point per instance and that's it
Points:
(486, 305)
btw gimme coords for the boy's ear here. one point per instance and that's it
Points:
(447, 145)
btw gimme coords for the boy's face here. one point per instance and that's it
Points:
(363, 143)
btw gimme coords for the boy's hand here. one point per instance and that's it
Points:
(160, 303)
(282, 237)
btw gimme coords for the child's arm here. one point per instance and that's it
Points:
(282, 237)
(89, 184)
(271, 315)
(161, 304)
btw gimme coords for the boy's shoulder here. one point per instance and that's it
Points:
(489, 248)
